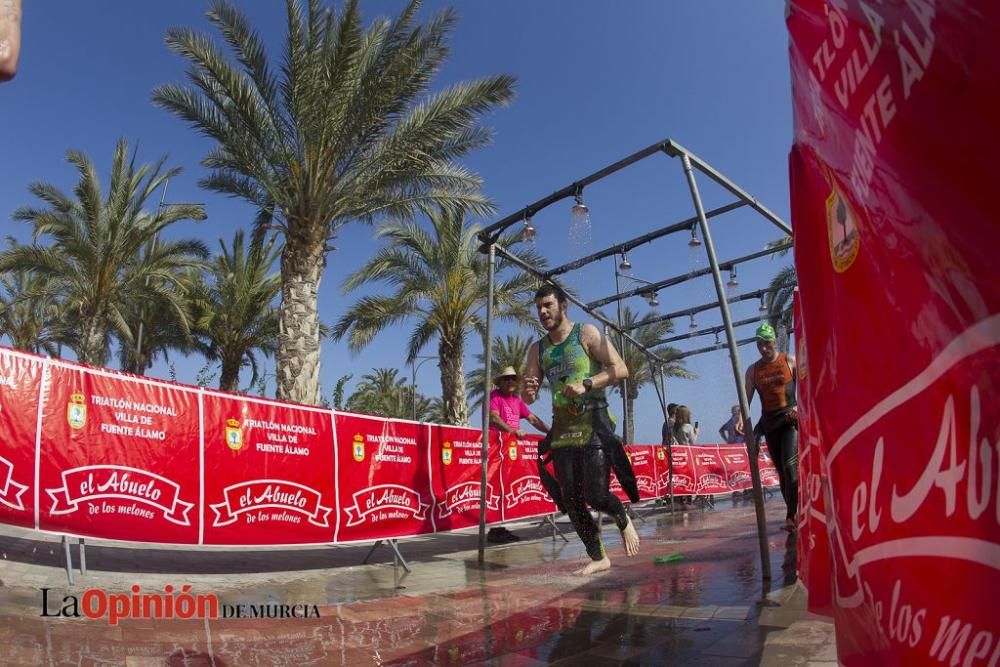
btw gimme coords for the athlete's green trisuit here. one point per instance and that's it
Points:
(583, 441)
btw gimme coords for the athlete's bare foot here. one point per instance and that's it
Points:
(595, 566)
(631, 539)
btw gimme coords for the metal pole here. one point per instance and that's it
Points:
(674, 148)
(669, 447)
(621, 350)
(521, 264)
(492, 232)
(491, 272)
(765, 560)
(684, 277)
(414, 367)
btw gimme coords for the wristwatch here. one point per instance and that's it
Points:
(588, 384)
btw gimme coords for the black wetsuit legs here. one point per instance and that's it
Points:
(584, 475)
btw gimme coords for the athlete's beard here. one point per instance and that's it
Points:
(557, 320)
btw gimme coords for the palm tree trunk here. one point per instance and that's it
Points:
(230, 379)
(302, 263)
(451, 351)
(92, 338)
(630, 419)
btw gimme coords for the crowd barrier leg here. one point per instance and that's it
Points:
(83, 557)
(69, 559)
(632, 514)
(549, 521)
(397, 556)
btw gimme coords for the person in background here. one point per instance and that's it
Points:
(732, 430)
(506, 412)
(10, 38)
(667, 432)
(684, 432)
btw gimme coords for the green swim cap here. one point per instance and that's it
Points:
(765, 332)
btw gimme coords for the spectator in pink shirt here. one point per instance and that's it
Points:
(506, 412)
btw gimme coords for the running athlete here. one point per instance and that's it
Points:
(773, 377)
(579, 363)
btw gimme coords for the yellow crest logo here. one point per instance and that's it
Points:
(660, 454)
(446, 453)
(234, 435)
(512, 450)
(76, 411)
(359, 447)
(842, 228)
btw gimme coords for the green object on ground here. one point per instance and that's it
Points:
(671, 558)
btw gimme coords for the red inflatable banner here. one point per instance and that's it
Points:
(269, 472)
(20, 387)
(115, 457)
(895, 246)
(382, 478)
(813, 544)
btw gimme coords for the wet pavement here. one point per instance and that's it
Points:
(523, 607)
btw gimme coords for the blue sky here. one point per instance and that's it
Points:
(596, 81)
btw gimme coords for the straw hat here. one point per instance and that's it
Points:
(508, 371)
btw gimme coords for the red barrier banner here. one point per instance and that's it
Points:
(614, 486)
(20, 382)
(710, 474)
(736, 466)
(116, 457)
(683, 478)
(117, 453)
(269, 472)
(895, 151)
(382, 482)
(456, 471)
(523, 493)
(768, 474)
(643, 461)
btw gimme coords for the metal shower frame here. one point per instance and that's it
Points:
(489, 237)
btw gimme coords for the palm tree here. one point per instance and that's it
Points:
(346, 131)
(440, 281)
(233, 312)
(94, 261)
(507, 351)
(30, 313)
(384, 393)
(160, 333)
(780, 311)
(640, 370)
(149, 328)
